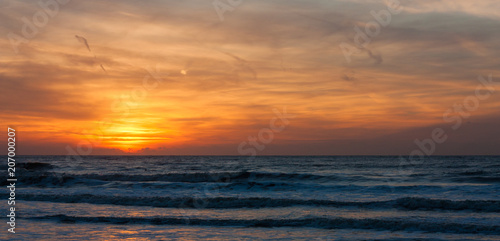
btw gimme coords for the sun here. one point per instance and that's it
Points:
(132, 137)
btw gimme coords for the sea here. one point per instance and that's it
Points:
(254, 198)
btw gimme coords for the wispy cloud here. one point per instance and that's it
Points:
(225, 77)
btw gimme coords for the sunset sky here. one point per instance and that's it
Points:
(173, 77)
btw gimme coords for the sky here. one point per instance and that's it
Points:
(208, 77)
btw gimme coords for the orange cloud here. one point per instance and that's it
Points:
(221, 79)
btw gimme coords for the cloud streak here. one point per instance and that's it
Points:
(225, 77)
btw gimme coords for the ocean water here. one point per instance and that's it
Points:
(260, 198)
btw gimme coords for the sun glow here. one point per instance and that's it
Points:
(132, 137)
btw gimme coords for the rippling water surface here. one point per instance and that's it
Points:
(272, 197)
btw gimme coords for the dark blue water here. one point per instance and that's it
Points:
(273, 197)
